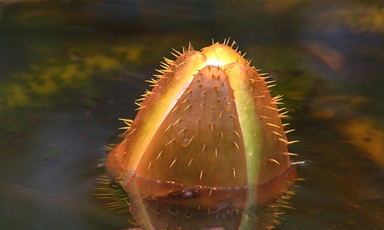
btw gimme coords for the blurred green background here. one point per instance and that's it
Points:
(70, 69)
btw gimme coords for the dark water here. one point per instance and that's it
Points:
(70, 69)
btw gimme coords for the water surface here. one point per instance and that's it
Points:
(70, 69)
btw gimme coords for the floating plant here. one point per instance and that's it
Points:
(206, 149)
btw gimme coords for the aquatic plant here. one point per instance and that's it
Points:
(206, 149)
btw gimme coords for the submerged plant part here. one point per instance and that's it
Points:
(207, 147)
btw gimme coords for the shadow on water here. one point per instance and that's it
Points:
(70, 69)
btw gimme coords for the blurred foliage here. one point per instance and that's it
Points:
(356, 17)
(336, 106)
(365, 19)
(364, 133)
(45, 81)
(80, 65)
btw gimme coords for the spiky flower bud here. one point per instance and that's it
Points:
(207, 142)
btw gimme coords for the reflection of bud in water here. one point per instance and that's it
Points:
(207, 147)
